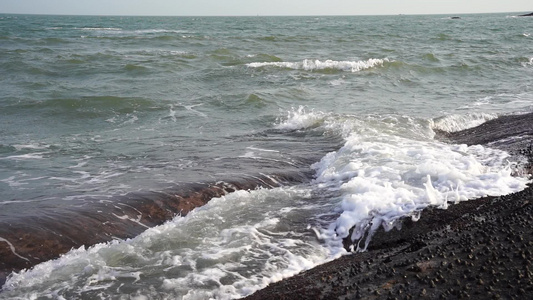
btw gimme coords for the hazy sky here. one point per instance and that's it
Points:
(262, 7)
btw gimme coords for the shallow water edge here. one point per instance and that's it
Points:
(26, 242)
(479, 248)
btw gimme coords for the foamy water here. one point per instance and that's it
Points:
(241, 242)
(311, 65)
(101, 109)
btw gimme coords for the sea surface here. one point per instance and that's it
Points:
(99, 107)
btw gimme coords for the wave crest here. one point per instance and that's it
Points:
(312, 65)
(454, 123)
(383, 178)
(300, 118)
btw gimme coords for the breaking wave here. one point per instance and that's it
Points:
(385, 175)
(453, 123)
(312, 65)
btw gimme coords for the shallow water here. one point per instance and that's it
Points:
(102, 107)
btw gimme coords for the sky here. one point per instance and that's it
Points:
(261, 7)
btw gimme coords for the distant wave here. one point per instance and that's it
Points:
(311, 65)
(101, 28)
(158, 31)
(115, 30)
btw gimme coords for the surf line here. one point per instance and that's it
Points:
(37, 238)
(511, 133)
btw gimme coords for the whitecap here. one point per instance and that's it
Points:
(300, 118)
(25, 156)
(101, 28)
(458, 122)
(312, 65)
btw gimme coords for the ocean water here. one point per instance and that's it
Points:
(99, 107)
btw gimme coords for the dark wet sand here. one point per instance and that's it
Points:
(479, 249)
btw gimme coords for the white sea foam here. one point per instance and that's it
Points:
(143, 31)
(28, 156)
(480, 102)
(191, 108)
(132, 119)
(300, 118)
(337, 82)
(388, 168)
(18, 181)
(79, 165)
(32, 146)
(204, 254)
(101, 28)
(13, 182)
(311, 65)
(261, 149)
(453, 123)
(384, 177)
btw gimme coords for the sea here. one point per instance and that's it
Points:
(110, 107)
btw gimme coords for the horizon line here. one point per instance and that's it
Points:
(259, 15)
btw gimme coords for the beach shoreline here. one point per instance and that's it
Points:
(479, 248)
(411, 262)
(204, 158)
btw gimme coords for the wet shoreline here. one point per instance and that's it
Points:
(475, 249)
(26, 243)
(478, 249)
